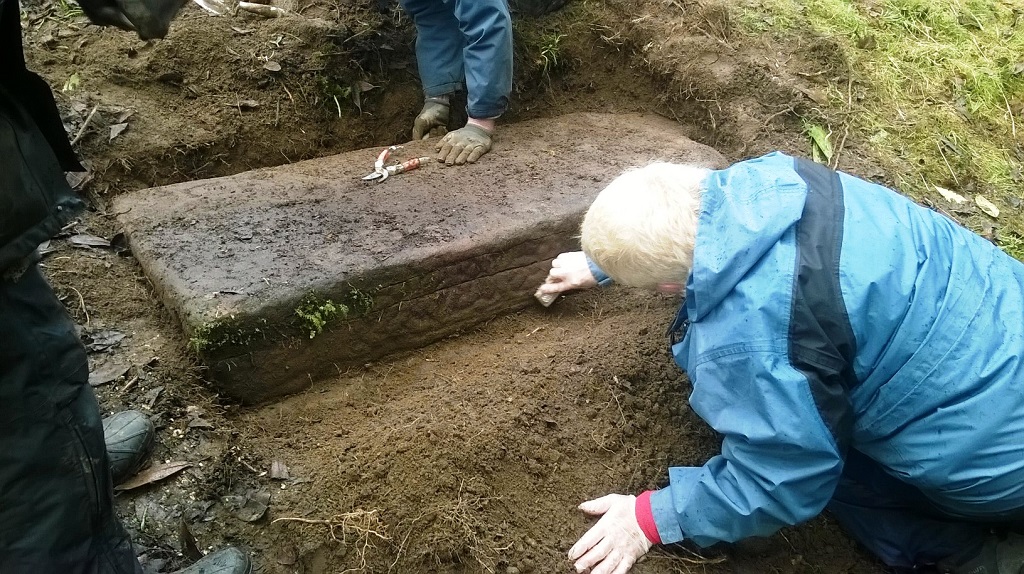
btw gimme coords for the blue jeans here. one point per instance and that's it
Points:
(898, 523)
(465, 43)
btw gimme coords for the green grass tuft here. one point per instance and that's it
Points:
(938, 88)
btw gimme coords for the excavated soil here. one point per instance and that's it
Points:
(466, 456)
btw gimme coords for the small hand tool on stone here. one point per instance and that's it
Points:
(380, 172)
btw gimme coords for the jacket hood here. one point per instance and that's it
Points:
(745, 210)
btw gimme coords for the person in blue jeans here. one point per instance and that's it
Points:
(857, 352)
(462, 45)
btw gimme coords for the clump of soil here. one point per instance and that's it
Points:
(467, 456)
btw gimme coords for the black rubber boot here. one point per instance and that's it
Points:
(228, 560)
(129, 436)
(998, 555)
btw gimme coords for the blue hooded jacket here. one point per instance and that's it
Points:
(465, 40)
(825, 313)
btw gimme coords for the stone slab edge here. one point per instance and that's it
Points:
(415, 259)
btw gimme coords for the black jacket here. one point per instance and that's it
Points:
(35, 199)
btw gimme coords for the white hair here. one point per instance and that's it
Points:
(641, 229)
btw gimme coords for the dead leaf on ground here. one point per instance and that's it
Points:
(153, 474)
(123, 115)
(119, 244)
(86, 240)
(78, 179)
(818, 95)
(117, 129)
(279, 471)
(100, 341)
(152, 395)
(107, 373)
(365, 86)
(950, 195)
(245, 105)
(986, 205)
(248, 508)
(950, 145)
(261, 9)
(188, 542)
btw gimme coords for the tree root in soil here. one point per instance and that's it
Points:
(364, 525)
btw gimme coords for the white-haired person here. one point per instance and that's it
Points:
(856, 351)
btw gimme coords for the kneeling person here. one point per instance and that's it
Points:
(856, 351)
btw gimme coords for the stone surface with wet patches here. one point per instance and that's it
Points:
(387, 266)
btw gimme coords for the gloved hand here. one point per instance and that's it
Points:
(568, 271)
(463, 145)
(433, 115)
(149, 18)
(616, 542)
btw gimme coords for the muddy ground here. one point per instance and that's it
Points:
(467, 456)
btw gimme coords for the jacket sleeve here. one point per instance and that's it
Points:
(602, 278)
(779, 464)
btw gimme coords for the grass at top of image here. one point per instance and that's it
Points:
(936, 87)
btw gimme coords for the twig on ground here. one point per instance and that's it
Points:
(247, 465)
(949, 167)
(617, 404)
(1013, 123)
(287, 91)
(768, 120)
(130, 384)
(85, 124)
(81, 301)
(764, 126)
(839, 150)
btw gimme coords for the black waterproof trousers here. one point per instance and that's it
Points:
(56, 497)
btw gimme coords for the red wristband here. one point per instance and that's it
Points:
(645, 517)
